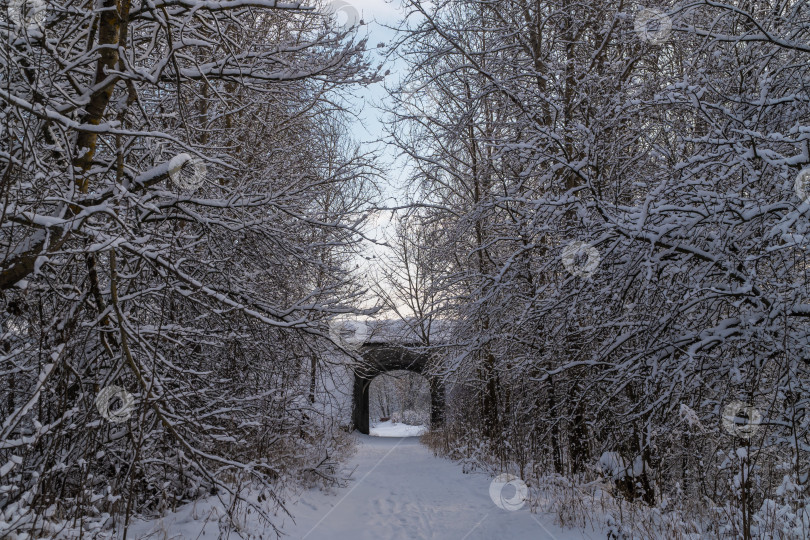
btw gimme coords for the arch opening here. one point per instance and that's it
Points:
(399, 404)
(381, 359)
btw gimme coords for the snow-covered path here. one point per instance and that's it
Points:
(398, 490)
(401, 491)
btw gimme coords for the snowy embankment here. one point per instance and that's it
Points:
(398, 490)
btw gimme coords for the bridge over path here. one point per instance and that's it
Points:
(383, 346)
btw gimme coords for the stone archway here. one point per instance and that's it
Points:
(381, 358)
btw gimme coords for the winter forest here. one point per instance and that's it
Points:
(590, 220)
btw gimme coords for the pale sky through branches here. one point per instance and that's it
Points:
(380, 18)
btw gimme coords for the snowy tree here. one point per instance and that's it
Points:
(620, 196)
(179, 205)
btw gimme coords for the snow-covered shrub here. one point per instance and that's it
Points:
(411, 417)
(616, 467)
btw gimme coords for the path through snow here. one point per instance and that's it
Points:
(399, 490)
(390, 429)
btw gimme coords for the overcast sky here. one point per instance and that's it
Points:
(377, 15)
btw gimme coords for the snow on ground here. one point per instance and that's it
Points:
(390, 429)
(398, 491)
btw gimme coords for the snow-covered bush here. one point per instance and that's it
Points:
(411, 417)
